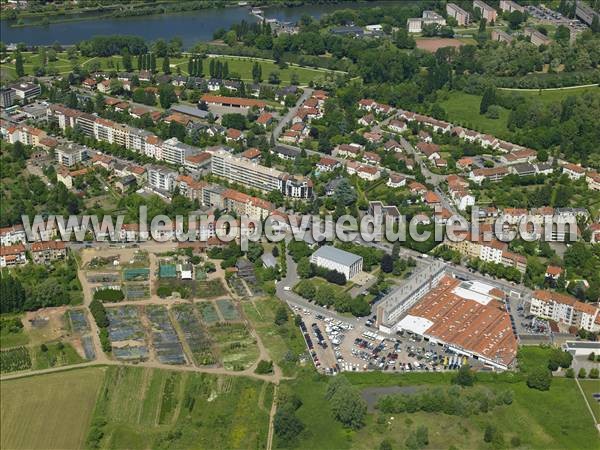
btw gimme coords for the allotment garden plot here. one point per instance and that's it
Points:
(195, 333)
(165, 341)
(126, 333)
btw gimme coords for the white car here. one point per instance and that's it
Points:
(287, 288)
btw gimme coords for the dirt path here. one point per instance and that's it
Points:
(272, 413)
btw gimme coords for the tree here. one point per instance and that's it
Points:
(489, 98)
(539, 378)
(542, 155)
(347, 405)
(167, 95)
(594, 373)
(465, 376)
(286, 424)
(281, 315)
(387, 263)
(166, 65)
(592, 357)
(257, 72)
(19, 64)
(515, 19)
(127, 64)
(304, 268)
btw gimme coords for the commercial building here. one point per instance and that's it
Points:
(462, 17)
(341, 261)
(467, 317)
(26, 91)
(394, 305)
(234, 102)
(267, 179)
(487, 12)
(565, 309)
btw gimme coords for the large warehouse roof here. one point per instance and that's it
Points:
(466, 319)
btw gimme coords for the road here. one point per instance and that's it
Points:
(291, 113)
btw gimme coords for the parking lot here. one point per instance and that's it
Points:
(339, 346)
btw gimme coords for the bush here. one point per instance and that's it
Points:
(264, 367)
(570, 373)
(539, 378)
(465, 376)
(594, 373)
(582, 373)
(109, 295)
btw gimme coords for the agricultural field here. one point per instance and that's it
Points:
(228, 310)
(236, 346)
(54, 354)
(208, 312)
(196, 336)
(284, 343)
(15, 359)
(29, 409)
(149, 408)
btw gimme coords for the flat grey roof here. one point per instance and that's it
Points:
(190, 111)
(337, 255)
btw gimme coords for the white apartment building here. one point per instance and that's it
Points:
(565, 309)
(161, 178)
(462, 17)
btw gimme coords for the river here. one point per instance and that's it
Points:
(190, 26)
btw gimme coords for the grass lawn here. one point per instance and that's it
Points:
(281, 341)
(50, 411)
(591, 387)
(550, 95)
(557, 418)
(149, 408)
(531, 357)
(463, 109)
(11, 336)
(241, 66)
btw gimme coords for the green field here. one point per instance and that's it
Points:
(146, 408)
(550, 95)
(50, 411)
(239, 66)
(554, 419)
(463, 109)
(591, 387)
(283, 342)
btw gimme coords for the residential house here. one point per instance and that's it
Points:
(46, 252)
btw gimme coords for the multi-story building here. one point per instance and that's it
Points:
(415, 25)
(71, 154)
(536, 37)
(46, 252)
(487, 12)
(565, 309)
(12, 255)
(585, 13)
(161, 178)
(510, 6)
(267, 179)
(174, 152)
(462, 17)
(501, 36)
(12, 235)
(244, 204)
(26, 91)
(7, 97)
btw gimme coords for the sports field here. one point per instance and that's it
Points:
(50, 411)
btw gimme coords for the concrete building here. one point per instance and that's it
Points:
(394, 305)
(536, 37)
(161, 178)
(175, 152)
(510, 6)
(71, 154)
(26, 91)
(341, 261)
(267, 179)
(585, 13)
(46, 252)
(487, 12)
(565, 309)
(7, 97)
(415, 25)
(462, 17)
(501, 36)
